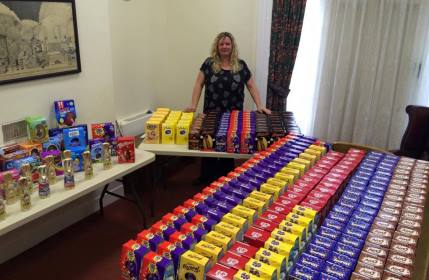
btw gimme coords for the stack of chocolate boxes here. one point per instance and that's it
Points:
(209, 128)
(373, 230)
(289, 123)
(195, 133)
(35, 164)
(215, 221)
(292, 211)
(240, 131)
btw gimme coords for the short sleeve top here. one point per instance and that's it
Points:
(224, 91)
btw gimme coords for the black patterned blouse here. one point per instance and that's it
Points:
(224, 91)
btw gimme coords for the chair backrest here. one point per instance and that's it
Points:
(415, 142)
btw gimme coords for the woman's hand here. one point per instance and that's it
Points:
(190, 109)
(264, 110)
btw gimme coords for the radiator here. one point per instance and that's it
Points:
(134, 125)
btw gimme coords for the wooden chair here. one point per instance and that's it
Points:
(343, 147)
(415, 142)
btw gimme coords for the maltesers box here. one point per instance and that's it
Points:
(126, 149)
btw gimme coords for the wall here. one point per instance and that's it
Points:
(135, 55)
(93, 91)
(159, 46)
(93, 84)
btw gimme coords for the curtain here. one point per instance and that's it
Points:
(371, 56)
(287, 18)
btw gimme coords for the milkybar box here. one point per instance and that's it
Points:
(318, 148)
(275, 260)
(236, 221)
(193, 266)
(291, 171)
(289, 179)
(299, 166)
(244, 212)
(243, 275)
(255, 204)
(304, 162)
(282, 184)
(275, 191)
(268, 199)
(229, 230)
(309, 157)
(261, 269)
(313, 152)
(219, 240)
(208, 250)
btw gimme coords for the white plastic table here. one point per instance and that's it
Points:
(60, 196)
(183, 151)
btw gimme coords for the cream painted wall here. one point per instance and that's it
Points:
(158, 47)
(92, 89)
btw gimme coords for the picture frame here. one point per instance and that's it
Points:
(38, 39)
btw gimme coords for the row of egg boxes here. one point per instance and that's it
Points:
(397, 225)
(336, 247)
(264, 224)
(250, 203)
(181, 211)
(245, 211)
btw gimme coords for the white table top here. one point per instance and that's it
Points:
(182, 150)
(60, 196)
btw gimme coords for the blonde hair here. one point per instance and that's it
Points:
(234, 60)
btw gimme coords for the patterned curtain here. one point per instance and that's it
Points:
(286, 26)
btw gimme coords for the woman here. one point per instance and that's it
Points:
(224, 76)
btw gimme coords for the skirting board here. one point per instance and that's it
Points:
(17, 241)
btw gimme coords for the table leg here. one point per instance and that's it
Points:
(100, 201)
(139, 203)
(152, 191)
